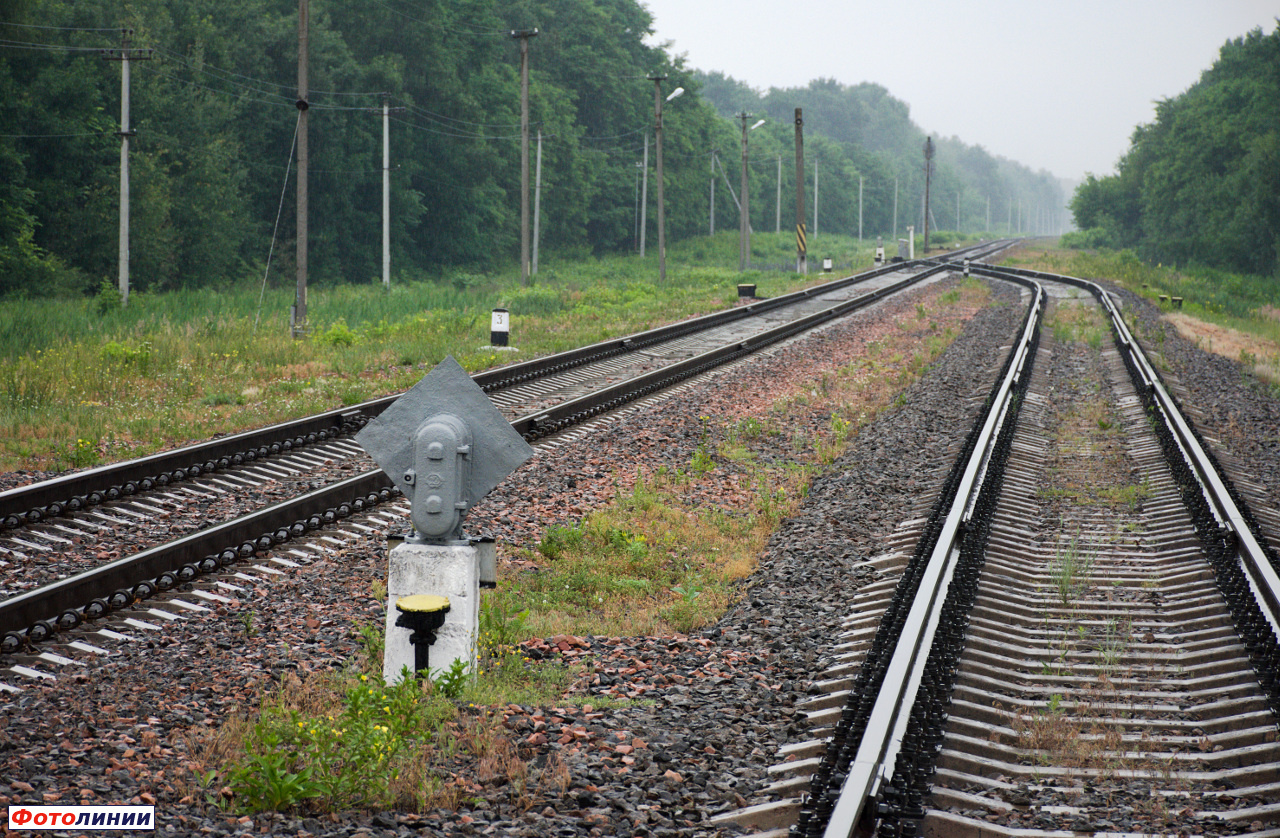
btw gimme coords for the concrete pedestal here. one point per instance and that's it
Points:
(445, 570)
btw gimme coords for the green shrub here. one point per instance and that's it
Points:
(1090, 239)
(108, 298)
(125, 355)
(557, 541)
(338, 334)
(347, 759)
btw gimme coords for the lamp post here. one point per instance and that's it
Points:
(744, 219)
(657, 133)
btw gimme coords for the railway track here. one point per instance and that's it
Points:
(307, 475)
(1080, 639)
(1099, 685)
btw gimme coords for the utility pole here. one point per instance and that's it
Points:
(662, 206)
(298, 322)
(524, 35)
(988, 227)
(777, 222)
(713, 193)
(635, 232)
(957, 212)
(895, 209)
(537, 202)
(744, 237)
(644, 193)
(859, 207)
(802, 263)
(928, 174)
(124, 55)
(815, 196)
(386, 189)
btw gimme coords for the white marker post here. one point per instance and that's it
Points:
(500, 327)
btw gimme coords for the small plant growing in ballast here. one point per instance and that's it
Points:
(1070, 569)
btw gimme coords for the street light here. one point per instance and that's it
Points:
(657, 133)
(744, 219)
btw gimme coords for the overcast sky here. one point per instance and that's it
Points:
(1053, 85)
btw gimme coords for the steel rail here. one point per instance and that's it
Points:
(876, 756)
(242, 537)
(1230, 525)
(37, 612)
(578, 410)
(1251, 554)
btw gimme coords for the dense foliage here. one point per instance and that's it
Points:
(872, 135)
(214, 113)
(1202, 183)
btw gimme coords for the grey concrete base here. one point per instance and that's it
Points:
(444, 570)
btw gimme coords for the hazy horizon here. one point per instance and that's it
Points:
(1057, 87)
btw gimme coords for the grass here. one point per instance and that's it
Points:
(181, 366)
(1070, 571)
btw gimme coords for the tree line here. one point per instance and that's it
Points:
(215, 117)
(1201, 184)
(861, 131)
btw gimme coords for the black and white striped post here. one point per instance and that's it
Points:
(499, 327)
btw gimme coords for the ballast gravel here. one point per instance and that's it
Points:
(717, 704)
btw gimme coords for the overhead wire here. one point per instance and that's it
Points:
(28, 45)
(61, 28)
(52, 136)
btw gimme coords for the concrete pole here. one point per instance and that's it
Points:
(895, 209)
(386, 191)
(712, 225)
(644, 194)
(537, 203)
(859, 207)
(802, 243)
(124, 172)
(125, 55)
(815, 196)
(524, 35)
(744, 235)
(657, 141)
(928, 175)
(777, 222)
(300, 295)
